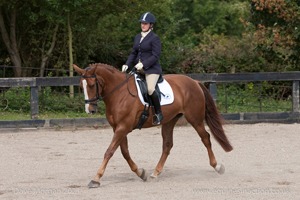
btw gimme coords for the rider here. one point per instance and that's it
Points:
(145, 57)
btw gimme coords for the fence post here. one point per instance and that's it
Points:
(296, 96)
(34, 102)
(213, 90)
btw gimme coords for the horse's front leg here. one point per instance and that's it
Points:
(125, 152)
(117, 139)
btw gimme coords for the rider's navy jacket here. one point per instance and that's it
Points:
(148, 52)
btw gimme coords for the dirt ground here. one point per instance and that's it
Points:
(58, 164)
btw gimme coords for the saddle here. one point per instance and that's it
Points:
(141, 81)
(162, 88)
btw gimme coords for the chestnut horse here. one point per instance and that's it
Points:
(123, 110)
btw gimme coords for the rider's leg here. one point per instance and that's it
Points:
(151, 83)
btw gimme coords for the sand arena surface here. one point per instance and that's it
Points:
(51, 164)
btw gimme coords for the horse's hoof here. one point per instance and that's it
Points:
(153, 178)
(220, 169)
(94, 184)
(143, 175)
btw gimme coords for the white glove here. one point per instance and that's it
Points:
(124, 68)
(139, 66)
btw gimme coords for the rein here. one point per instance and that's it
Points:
(98, 96)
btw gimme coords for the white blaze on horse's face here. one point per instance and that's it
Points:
(86, 96)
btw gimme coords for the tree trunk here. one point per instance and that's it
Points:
(70, 55)
(46, 56)
(10, 41)
(232, 69)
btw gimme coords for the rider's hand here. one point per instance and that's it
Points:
(139, 66)
(124, 68)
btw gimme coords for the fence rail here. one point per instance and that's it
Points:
(247, 77)
(252, 77)
(212, 79)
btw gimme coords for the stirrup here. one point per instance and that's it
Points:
(157, 118)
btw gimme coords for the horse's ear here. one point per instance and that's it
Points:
(78, 69)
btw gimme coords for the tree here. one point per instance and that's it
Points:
(8, 33)
(215, 31)
(42, 32)
(211, 16)
(30, 41)
(277, 32)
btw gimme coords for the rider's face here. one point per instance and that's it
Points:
(145, 26)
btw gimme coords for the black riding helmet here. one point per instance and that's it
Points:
(147, 18)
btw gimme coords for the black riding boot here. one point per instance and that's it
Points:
(158, 114)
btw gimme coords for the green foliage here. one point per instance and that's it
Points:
(277, 32)
(50, 101)
(254, 97)
(212, 16)
(216, 38)
(231, 98)
(224, 54)
(18, 99)
(197, 36)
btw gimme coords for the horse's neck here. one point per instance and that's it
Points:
(112, 79)
(118, 87)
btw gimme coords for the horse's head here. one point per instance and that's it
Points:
(91, 87)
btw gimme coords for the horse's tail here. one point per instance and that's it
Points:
(214, 120)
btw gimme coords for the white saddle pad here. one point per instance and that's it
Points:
(167, 96)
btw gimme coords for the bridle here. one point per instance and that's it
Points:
(97, 89)
(98, 85)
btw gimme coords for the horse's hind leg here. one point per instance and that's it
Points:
(167, 135)
(125, 152)
(205, 137)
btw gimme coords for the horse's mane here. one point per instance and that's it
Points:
(106, 66)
